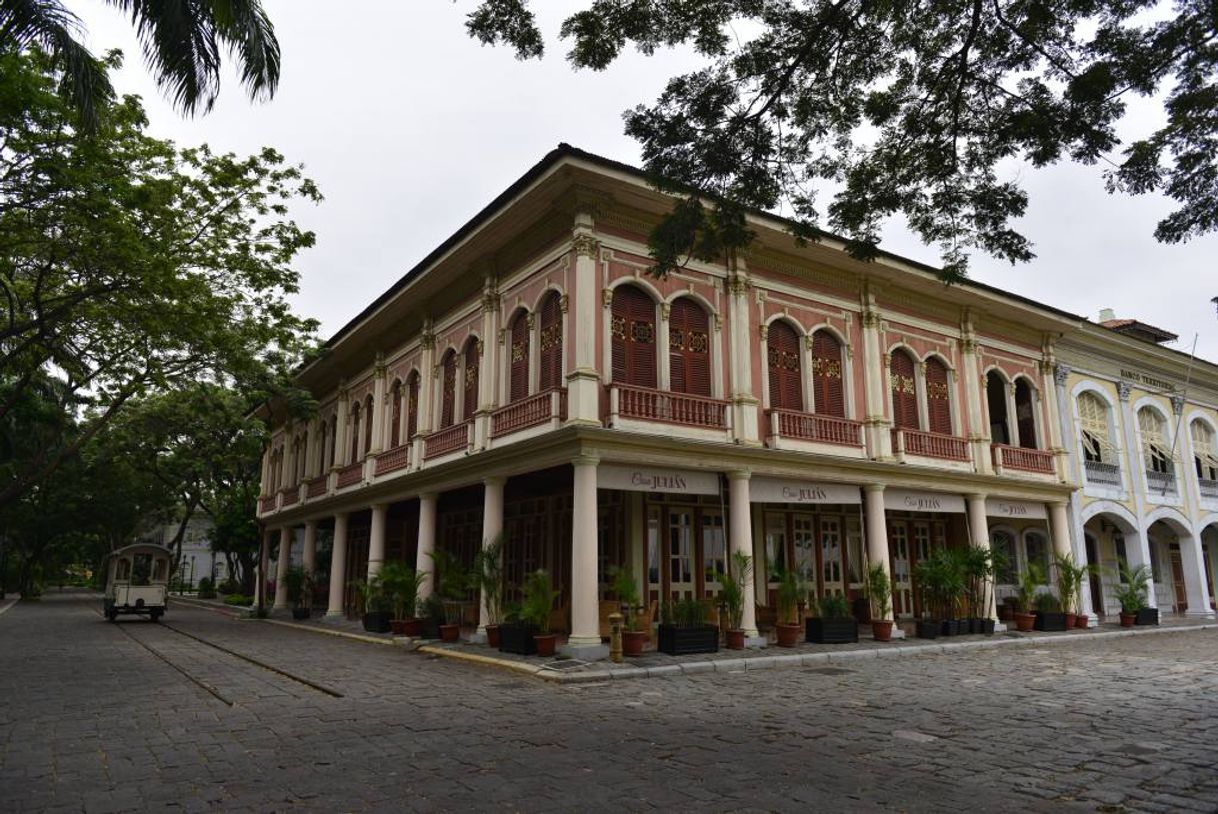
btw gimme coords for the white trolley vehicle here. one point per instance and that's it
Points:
(137, 581)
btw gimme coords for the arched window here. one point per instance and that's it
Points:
(355, 425)
(938, 397)
(1156, 452)
(448, 395)
(412, 405)
(1002, 544)
(1093, 421)
(828, 392)
(518, 360)
(996, 401)
(1036, 551)
(633, 328)
(333, 441)
(904, 391)
(1025, 413)
(786, 373)
(550, 342)
(368, 422)
(469, 404)
(395, 415)
(689, 348)
(1204, 453)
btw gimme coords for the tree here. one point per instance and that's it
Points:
(181, 42)
(921, 109)
(129, 265)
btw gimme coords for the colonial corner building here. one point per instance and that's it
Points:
(810, 409)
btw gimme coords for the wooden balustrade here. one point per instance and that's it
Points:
(267, 503)
(530, 412)
(671, 408)
(449, 439)
(811, 427)
(350, 474)
(1023, 459)
(393, 459)
(317, 486)
(930, 444)
(290, 496)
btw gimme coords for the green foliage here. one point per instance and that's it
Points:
(941, 581)
(1029, 583)
(452, 580)
(371, 595)
(205, 588)
(402, 584)
(1070, 581)
(793, 588)
(1048, 603)
(879, 591)
(626, 589)
(242, 600)
(916, 109)
(688, 612)
(835, 606)
(538, 600)
(487, 577)
(733, 585)
(1133, 587)
(299, 586)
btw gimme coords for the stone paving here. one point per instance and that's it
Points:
(92, 721)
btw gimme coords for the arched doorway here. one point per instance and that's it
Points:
(1111, 538)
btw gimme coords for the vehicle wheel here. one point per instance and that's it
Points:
(112, 615)
(156, 617)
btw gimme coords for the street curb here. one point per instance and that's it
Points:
(344, 634)
(491, 661)
(227, 610)
(10, 604)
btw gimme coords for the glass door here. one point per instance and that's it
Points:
(775, 552)
(902, 584)
(832, 583)
(681, 583)
(921, 552)
(714, 551)
(803, 534)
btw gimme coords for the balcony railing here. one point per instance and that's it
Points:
(1102, 473)
(1209, 488)
(393, 459)
(530, 412)
(810, 427)
(449, 439)
(350, 474)
(291, 496)
(267, 503)
(1023, 459)
(671, 408)
(1160, 483)
(929, 445)
(317, 486)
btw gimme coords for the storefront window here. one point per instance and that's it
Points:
(714, 548)
(1036, 548)
(1002, 543)
(775, 545)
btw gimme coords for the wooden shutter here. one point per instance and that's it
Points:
(395, 416)
(828, 392)
(518, 358)
(412, 406)
(550, 341)
(449, 394)
(633, 330)
(470, 404)
(904, 391)
(1025, 414)
(355, 419)
(689, 348)
(785, 368)
(938, 397)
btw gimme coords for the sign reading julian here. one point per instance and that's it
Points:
(781, 490)
(659, 480)
(1015, 509)
(902, 500)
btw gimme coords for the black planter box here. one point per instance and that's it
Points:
(680, 641)
(985, 626)
(300, 614)
(861, 608)
(949, 627)
(518, 638)
(377, 621)
(928, 629)
(1147, 616)
(831, 631)
(1049, 622)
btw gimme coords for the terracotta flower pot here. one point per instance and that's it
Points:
(1127, 619)
(492, 636)
(881, 630)
(1071, 620)
(735, 640)
(787, 634)
(1024, 622)
(398, 626)
(1081, 620)
(633, 641)
(450, 633)
(545, 643)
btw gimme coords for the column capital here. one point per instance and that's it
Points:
(739, 474)
(494, 480)
(378, 506)
(976, 496)
(1061, 374)
(1059, 504)
(428, 496)
(585, 460)
(873, 487)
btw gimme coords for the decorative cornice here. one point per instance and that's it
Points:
(871, 318)
(427, 341)
(490, 302)
(738, 285)
(968, 344)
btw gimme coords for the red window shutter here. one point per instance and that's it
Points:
(938, 397)
(355, 419)
(827, 375)
(470, 405)
(1025, 414)
(412, 406)
(449, 397)
(785, 368)
(368, 408)
(689, 348)
(904, 391)
(518, 371)
(550, 340)
(395, 431)
(633, 329)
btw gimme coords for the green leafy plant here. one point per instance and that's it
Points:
(835, 606)
(299, 586)
(1070, 581)
(733, 583)
(402, 585)
(538, 600)
(940, 581)
(451, 581)
(879, 592)
(370, 593)
(239, 599)
(1048, 603)
(977, 564)
(1029, 584)
(206, 589)
(1133, 587)
(487, 577)
(626, 589)
(792, 589)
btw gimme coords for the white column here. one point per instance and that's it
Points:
(742, 344)
(877, 527)
(341, 445)
(492, 525)
(338, 566)
(979, 531)
(740, 508)
(309, 555)
(585, 618)
(1059, 529)
(970, 371)
(376, 539)
(1192, 560)
(427, 543)
(875, 382)
(281, 570)
(378, 407)
(583, 380)
(488, 373)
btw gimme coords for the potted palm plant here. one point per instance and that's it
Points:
(627, 590)
(1070, 579)
(402, 584)
(375, 604)
(792, 590)
(740, 571)
(834, 624)
(452, 584)
(1049, 614)
(299, 585)
(934, 578)
(1029, 583)
(683, 629)
(537, 603)
(879, 594)
(1131, 592)
(487, 575)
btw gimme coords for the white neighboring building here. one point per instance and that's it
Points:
(198, 560)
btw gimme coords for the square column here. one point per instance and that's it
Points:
(376, 539)
(740, 509)
(427, 543)
(281, 571)
(585, 639)
(979, 531)
(492, 527)
(309, 555)
(1192, 560)
(338, 567)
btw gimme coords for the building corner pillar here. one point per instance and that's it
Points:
(585, 639)
(376, 539)
(979, 532)
(877, 527)
(281, 568)
(741, 509)
(427, 544)
(338, 567)
(492, 527)
(583, 325)
(309, 554)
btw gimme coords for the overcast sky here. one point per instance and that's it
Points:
(410, 128)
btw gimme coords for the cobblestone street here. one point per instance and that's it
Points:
(92, 719)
